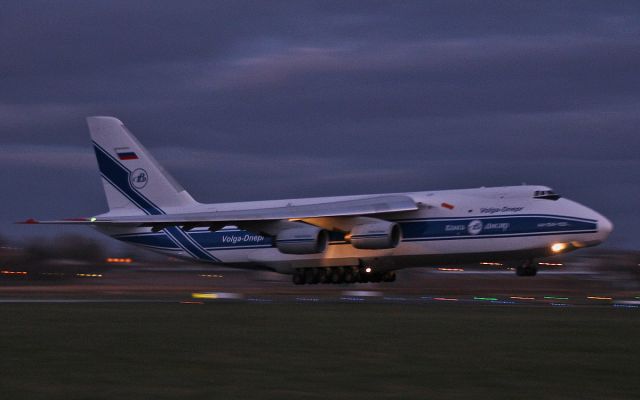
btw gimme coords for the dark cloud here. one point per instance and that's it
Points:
(250, 100)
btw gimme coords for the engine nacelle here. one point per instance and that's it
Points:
(376, 235)
(303, 240)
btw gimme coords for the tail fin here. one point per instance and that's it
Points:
(134, 182)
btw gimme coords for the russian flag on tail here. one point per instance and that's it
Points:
(125, 153)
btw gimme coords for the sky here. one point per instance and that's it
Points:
(252, 100)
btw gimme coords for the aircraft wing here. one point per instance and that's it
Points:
(344, 208)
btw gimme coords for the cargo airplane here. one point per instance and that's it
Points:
(344, 239)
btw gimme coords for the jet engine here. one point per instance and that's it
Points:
(376, 235)
(306, 239)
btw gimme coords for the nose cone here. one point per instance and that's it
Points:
(604, 227)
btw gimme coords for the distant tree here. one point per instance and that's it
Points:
(73, 247)
(78, 248)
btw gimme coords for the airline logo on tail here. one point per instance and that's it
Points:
(125, 153)
(139, 178)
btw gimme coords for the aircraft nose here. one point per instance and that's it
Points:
(604, 227)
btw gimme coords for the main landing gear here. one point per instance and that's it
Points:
(341, 275)
(527, 268)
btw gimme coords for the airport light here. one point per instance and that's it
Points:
(119, 260)
(558, 247)
(368, 270)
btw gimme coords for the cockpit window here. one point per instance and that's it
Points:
(546, 194)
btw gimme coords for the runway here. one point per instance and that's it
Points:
(452, 287)
(359, 297)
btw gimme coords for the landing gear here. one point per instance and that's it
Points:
(324, 275)
(298, 278)
(527, 268)
(350, 275)
(336, 275)
(310, 276)
(340, 275)
(389, 276)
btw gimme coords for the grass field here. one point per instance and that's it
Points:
(301, 351)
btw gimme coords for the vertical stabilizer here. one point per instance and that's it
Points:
(134, 182)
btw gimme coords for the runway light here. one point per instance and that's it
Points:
(485, 298)
(204, 295)
(216, 295)
(555, 298)
(368, 270)
(599, 298)
(444, 299)
(548, 264)
(495, 264)
(558, 247)
(522, 298)
(451, 269)
(6, 272)
(119, 260)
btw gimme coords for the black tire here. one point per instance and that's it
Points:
(363, 277)
(389, 277)
(325, 275)
(337, 275)
(297, 278)
(309, 276)
(349, 276)
(527, 268)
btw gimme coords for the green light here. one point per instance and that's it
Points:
(485, 298)
(555, 298)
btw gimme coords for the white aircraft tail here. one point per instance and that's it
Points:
(134, 182)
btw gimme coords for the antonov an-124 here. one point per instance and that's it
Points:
(344, 239)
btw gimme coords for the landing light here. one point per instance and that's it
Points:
(558, 247)
(368, 270)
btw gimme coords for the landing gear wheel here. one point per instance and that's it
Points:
(349, 275)
(527, 268)
(298, 278)
(309, 276)
(324, 275)
(389, 277)
(363, 275)
(337, 275)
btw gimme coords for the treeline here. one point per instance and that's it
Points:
(73, 247)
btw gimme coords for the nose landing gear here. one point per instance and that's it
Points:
(527, 268)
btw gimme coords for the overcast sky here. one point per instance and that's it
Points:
(266, 99)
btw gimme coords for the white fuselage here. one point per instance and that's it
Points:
(449, 226)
